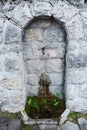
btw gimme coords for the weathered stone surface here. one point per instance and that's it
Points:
(1, 38)
(77, 61)
(12, 83)
(63, 15)
(20, 14)
(6, 124)
(75, 28)
(69, 126)
(82, 123)
(41, 8)
(48, 127)
(84, 16)
(74, 104)
(56, 78)
(12, 64)
(64, 116)
(77, 76)
(35, 66)
(32, 90)
(56, 89)
(24, 116)
(42, 49)
(58, 63)
(77, 2)
(14, 125)
(33, 79)
(12, 33)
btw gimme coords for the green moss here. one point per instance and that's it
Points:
(44, 107)
(75, 115)
(10, 115)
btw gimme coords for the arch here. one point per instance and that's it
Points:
(70, 18)
(44, 52)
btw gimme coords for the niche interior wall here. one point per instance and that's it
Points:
(14, 19)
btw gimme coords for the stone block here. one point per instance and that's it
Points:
(32, 90)
(48, 127)
(82, 123)
(83, 14)
(64, 116)
(78, 104)
(1, 38)
(1, 64)
(56, 78)
(69, 126)
(77, 76)
(14, 125)
(55, 65)
(20, 14)
(77, 61)
(6, 124)
(34, 34)
(77, 2)
(75, 28)
(72, 91)
(41, 8)
(12, 64)
(51, 53)
(56, 89)
(31, 51)
(33, 79)
(12, 33)
(35, 66)
(11, 49)
(17, 98)
(83, 91)
(60, 13)
(54, 33)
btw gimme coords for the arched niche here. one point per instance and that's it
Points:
(44, 48)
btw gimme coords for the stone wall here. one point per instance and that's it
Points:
(15, 16)
(44, 52)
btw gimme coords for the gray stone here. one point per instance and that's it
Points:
(41, 8)
(6, 124)
(61, 14)
(69, 126)
(14, 125)
(76, 2)
(24, 116)
(82, 123)
(11, 64)
(56, 48)
(64, 116)
(33, 79)
(12, 33)
(1, 38)
(75, 26)
(77, 61)
(77, 76)
(36, 66)
(48, 127)
(58, 63)
(56, 78)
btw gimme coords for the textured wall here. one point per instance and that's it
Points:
(14, 18)
(44, 52)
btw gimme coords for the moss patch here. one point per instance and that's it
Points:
(44, 107)
(10, 115)
(75, 115)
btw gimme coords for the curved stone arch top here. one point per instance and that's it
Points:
(69, 16)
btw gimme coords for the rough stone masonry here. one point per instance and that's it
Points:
(39, 36)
